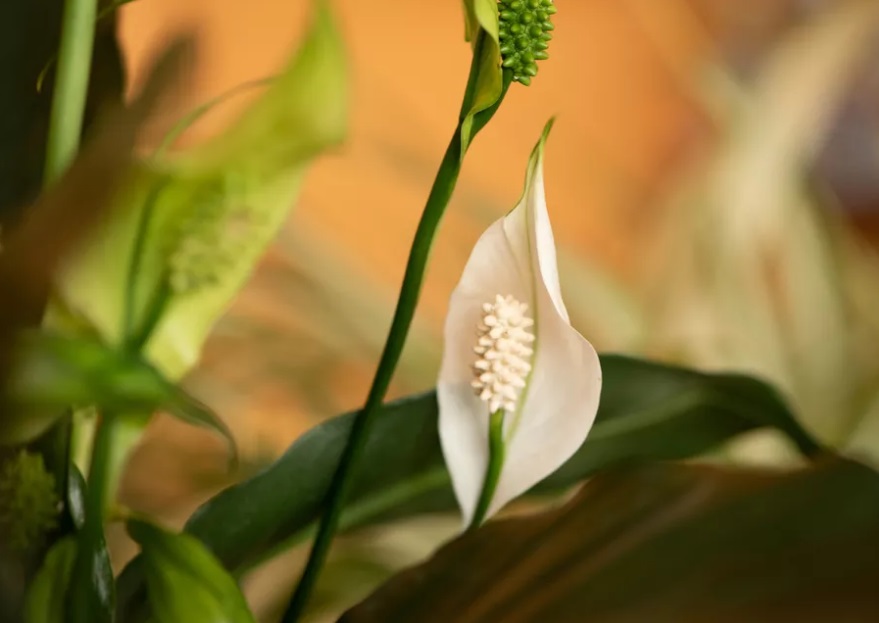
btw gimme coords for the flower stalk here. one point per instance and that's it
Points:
(496, 456)
(71, 86)
(438, 199)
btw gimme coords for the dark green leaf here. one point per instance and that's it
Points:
(45, 598)
(663, 543)
(92, 594)
(648, 411)
(185, 582)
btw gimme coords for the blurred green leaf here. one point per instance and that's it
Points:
(54, 372)
(196, 223)
(754, 273)
(185, 582)
(648, 412)
(62, 215)
(45, 598)
(663, 543)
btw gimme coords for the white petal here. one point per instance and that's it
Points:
(565, 384)
(463, 418)
(516, 256)
(528, 227)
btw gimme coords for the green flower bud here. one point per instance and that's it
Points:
(524, 31)
(29, 504)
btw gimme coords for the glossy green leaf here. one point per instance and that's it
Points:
(184, 581)
(193, 226)
(648, 412)
(54, 372)
(91, 597)
(45, 598)
(663, 543)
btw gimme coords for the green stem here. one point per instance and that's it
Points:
(437, 200)
(99, 467)
(439, 197)
(71, 86)
(496, 455)
(135, 341)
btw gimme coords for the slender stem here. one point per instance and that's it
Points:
(439, 196)
(185, 122)
(135, 341)
(102, 449)
(71, 86)
(437, 200)
(496, 455)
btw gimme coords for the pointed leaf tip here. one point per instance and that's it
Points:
(544, 136)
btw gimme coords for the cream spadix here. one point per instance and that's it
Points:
(510, 350)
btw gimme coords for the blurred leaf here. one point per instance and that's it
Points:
(185, 582)
(754, 275)
(648, 412)
(663, 543)
(45, 597)
(611, 315)
(54, 372)
(62, 215)
(196, 224)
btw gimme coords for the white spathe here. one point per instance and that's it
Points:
(555, 410)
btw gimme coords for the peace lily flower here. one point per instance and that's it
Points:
(519, 386)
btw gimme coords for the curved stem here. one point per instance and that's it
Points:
(437, 200)
(99, 467)
(155, 308)
(71, 86)
(439, 197)
(496, 455)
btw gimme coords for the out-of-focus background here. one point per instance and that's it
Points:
(713, 181)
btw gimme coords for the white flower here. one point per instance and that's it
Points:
(509, 346)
